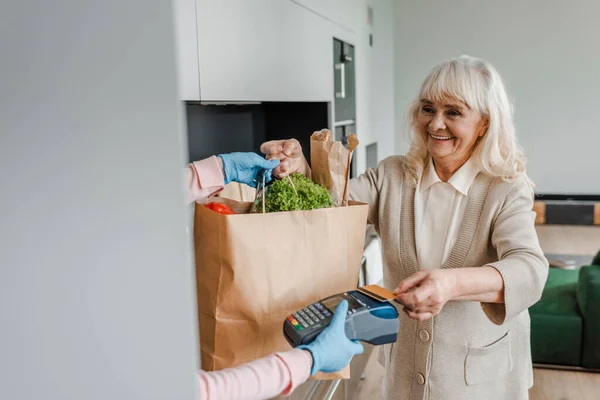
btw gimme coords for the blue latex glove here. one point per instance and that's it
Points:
(332, 350)
(244, 167)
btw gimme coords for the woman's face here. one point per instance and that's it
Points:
(451, 129)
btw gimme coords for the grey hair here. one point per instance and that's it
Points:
(477, 84)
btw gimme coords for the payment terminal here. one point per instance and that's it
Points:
(368, 320)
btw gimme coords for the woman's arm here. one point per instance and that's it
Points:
(522, 264)
(504, 288)
(484, 284)
(277, 374)
(425, 293)
(365, 189)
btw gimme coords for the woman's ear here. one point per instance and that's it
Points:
(485, 124)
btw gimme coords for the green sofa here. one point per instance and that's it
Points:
(565, 323)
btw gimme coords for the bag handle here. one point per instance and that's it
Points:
(264, 179)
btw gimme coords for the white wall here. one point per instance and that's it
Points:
(547, 53)
(374, 79)
(381, 81)
(96, 280)
(363, 66)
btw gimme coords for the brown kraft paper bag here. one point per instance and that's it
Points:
(330, 162)
(253, 270)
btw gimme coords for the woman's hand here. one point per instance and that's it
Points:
(425, 293)
(289, 153)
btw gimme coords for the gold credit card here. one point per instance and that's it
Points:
(377, 292)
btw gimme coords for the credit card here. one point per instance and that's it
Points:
(377, 292)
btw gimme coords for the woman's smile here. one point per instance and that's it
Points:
(441, 138)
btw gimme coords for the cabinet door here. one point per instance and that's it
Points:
(186, 41)
(262, 50)
(344, 81)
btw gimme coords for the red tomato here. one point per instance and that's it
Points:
(220, 208)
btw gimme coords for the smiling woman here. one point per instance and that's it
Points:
(468, 263)
(458, 239)
(464, 103)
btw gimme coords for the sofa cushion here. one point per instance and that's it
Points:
(588, 295)
(596, 260)
(560, 294)
(556, 323)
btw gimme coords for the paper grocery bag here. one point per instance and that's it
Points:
(253, 270)
(330, 163)
(238, 191)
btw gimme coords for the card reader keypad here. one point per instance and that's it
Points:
(311, 315)
(368, 320)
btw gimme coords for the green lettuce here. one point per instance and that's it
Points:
(281, 196)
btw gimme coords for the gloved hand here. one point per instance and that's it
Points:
(332, 350)
(244, 167)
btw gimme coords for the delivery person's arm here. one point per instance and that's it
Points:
(277, 374)
(207, 177)
(281, 373)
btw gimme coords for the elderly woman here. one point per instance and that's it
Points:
(459, 243)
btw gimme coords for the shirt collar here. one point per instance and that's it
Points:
(429, 177)
(461, 180)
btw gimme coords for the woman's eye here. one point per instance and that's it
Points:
(428, 110)
(454, 113)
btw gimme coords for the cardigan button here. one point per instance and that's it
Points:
(424, 335)
(420, 379)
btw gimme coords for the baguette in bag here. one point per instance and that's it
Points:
(330, 163)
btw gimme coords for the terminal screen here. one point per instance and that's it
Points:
(333, 302)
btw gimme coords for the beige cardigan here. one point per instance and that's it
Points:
(470, 350)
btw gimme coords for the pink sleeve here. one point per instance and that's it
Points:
(277, 374)
(203, 179)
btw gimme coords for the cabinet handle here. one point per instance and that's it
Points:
(342, 93)
(344, 123)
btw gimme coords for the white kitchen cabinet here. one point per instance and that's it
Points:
(345, 13)
(186, 40)
(263, 50)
